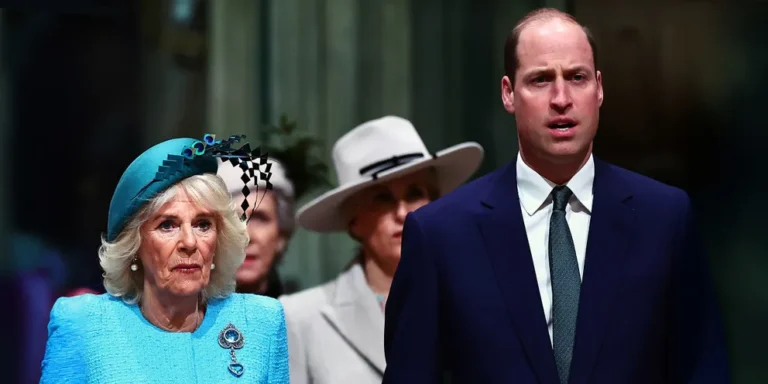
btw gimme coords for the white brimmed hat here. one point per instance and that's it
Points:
(381, 150)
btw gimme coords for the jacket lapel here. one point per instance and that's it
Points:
(355, 315)
(610, 231)
(507, 247)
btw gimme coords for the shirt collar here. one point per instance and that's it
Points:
(534, 190)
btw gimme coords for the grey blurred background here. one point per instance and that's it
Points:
(85, 86)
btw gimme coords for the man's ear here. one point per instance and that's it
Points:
(599, 79)
(507, 94)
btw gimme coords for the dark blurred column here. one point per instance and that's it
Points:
(333, 64)
(384, 55)
(457, 55)
(75, 91)
(5, 134)
(562, 5)
(234, 81)
(174, 58)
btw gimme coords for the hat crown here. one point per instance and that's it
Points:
(376, 145)
(138, 183)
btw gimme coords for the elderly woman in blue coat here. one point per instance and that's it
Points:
(173, 245)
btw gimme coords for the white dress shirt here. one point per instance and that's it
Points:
(536, 203)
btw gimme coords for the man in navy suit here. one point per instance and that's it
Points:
(557, 267)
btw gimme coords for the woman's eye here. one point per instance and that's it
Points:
(166, 225)
(205, 225)
(383, 197)
(261, 217)
(415, 193)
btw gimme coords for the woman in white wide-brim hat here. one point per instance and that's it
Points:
(336, 331)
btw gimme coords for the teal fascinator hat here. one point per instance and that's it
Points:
(172, 161)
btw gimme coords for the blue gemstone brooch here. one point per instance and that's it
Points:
(231, 338)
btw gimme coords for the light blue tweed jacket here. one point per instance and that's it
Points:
(100, 339)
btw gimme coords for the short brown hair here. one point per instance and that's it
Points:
(511, 61)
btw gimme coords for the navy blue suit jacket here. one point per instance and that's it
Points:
(465, 303)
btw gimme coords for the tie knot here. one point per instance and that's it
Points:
(560, 196)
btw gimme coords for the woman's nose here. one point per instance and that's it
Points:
(188, 239)
(402, 210)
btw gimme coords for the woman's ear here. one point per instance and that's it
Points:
(280, 244)
(352, 230)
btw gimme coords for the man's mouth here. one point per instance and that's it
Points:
(561, 124)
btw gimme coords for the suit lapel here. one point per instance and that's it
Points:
(507, 247)
(354, 314)
(610, 230)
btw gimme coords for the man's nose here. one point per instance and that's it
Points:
(561, 97)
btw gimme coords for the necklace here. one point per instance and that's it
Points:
(152, 319)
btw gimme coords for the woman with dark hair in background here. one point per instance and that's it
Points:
(270, 227)
(271, 222)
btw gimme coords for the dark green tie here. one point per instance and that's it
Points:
(566, 283)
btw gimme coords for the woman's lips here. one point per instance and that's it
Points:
(187, 268)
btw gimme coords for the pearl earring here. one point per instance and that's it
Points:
(134, 266)
(213, 266)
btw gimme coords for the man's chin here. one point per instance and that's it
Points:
(567, 152)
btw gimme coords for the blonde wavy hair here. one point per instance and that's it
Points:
(207, 190)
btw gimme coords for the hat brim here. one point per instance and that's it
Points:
(453, 166)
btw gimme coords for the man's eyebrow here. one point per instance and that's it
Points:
(538, 71)
(549, 70)
(578, 67)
